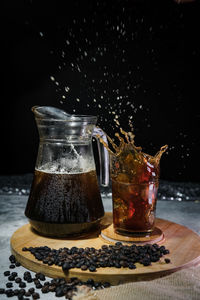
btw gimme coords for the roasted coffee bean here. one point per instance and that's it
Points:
(22, 291)
(90, 281)
(35, 296)
(65, 266)
(146, 263)
(45, 289)
(17, 264)
(131, 266)
(31, 290)
(9, 293)
(2, 291)
(38, 286)
(27, 294)
(69, 294)
(62, 281)
(167, 260)
(14, 274)
(117, 265)
(92, 268)
(12, 266)
(59, 292)
(45, 261)
(18, 280)
(9, 284)
(16, 292)
(84, 267)
(52, 288)
(12, 259)
(27, 273)
(162, 248)
(36, 281)
(22, 284)
(6, 273)
(11, 278)
(106, 284)
(40, 276)
(97, 284)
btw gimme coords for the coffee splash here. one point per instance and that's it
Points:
(127, 161)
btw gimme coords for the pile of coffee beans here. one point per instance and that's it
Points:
(20, 286)
(117, 256)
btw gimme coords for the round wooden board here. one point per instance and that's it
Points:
(183, 243)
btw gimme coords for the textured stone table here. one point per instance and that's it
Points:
(13, 202)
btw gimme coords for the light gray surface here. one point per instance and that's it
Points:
(12, 217)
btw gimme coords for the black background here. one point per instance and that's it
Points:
(150, 52)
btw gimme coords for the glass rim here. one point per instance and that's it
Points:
(72, 118)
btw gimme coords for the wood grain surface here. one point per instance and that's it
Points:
(183, 243)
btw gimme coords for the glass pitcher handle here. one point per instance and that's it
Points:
(103, 156)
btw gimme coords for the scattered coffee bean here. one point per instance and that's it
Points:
(27, 273)
(2, 291)
(9, 293)
(24, 249)
(59, 292)
(131, 266)
(17, 264)
(11, 278)
(12, 266)
(45, 289)
(106, 284)
(9, 284)
(92, 268)
(22, 292)
(18, 280)
(35, 296)
(52, 288)
(14, 274)
(16, 292)
(31, 290)
(38, 286)
(84, 267)
(22, 284)
(36, 281)
(12, 259)
(65, 266)
(6, 273)
(40, 276)
(167, 260)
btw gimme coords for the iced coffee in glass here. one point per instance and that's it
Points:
(135, 180)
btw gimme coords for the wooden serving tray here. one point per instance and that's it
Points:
(183, 243)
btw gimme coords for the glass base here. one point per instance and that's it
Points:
(125, 232)
(64, 230)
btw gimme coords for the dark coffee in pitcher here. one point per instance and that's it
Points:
(63, 204)
(65, 199)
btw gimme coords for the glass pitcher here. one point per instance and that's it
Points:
(65, 198)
